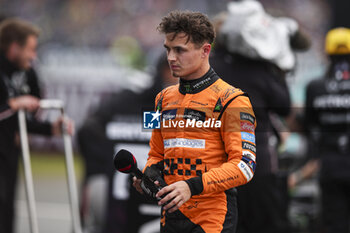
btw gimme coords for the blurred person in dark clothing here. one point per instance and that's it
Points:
(19, 89)
(255, 51)
(2, 18)
(327, 123)
(110, 204)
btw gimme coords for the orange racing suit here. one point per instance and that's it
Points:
(207, 139)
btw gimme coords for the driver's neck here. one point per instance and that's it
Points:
(198, 74)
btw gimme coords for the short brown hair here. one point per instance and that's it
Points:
(16, 30)
(195, 25)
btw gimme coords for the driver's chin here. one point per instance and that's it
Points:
(181, 74)
(176, 74)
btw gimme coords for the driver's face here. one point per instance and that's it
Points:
(184, 57)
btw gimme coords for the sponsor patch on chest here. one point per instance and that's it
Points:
(194, 114)
(184, 142)
(169, 114)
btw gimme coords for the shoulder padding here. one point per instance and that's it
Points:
(229, 101)
(226, 96)
(160, 97)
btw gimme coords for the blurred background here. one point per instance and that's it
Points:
(92, 49)
(104, 46)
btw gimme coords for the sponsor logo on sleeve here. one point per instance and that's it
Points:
(246, 126)
(248, 137)
(245, 170)
(169, 114)
(248, 154)
(247, 117)
(249, 146)
(249, 162)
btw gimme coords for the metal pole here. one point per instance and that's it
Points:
(72, 187)
(27, 172)
(71, 180)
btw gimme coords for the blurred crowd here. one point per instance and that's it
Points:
(95, 23)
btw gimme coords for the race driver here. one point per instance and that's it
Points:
(201, 165)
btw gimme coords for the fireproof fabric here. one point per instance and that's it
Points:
(212, 160)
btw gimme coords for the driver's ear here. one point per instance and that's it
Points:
(206, 50)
